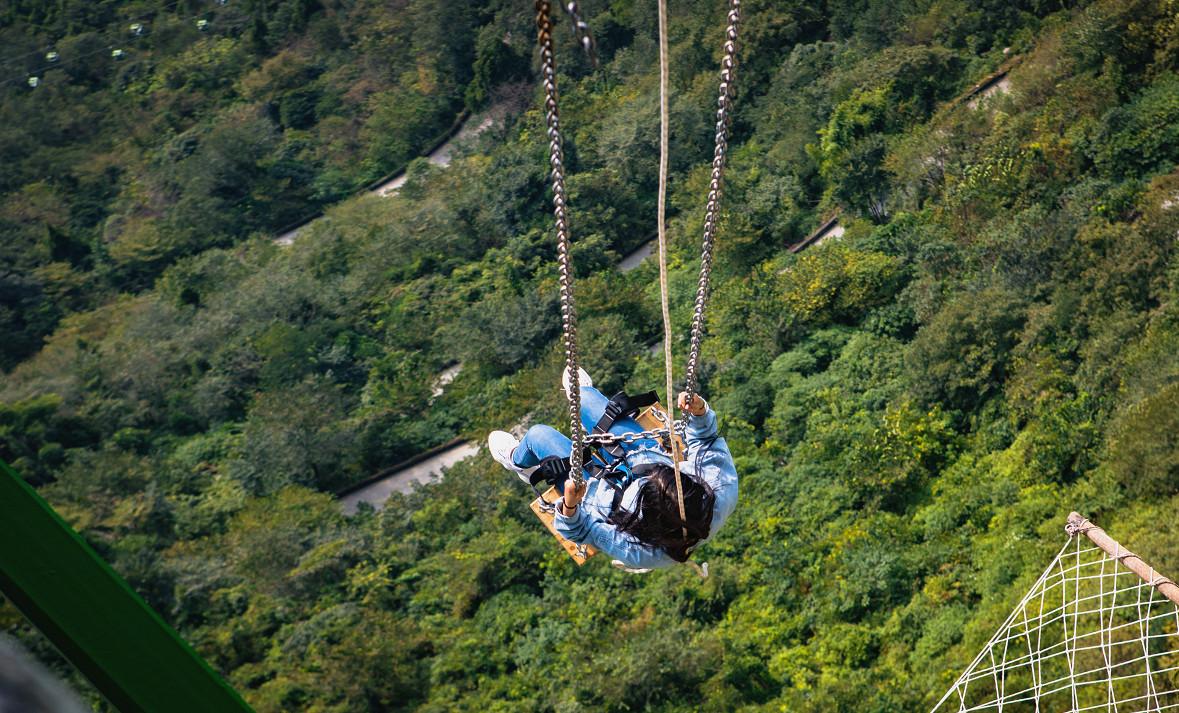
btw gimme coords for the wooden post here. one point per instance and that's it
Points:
(1079, 525)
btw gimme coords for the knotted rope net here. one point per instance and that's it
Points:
(1098, 631)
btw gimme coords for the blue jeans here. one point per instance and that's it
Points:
(543, 441)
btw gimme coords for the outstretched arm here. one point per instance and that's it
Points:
(578, 527)
(716, 462)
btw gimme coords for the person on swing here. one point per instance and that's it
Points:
(632, 513)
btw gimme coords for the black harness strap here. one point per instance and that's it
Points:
(608, 465)
(622, 406)
(553, 470)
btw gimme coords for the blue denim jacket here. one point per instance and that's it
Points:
(588, 524)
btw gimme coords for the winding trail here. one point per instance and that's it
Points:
(403, 480)
(441, 156)
(637, 256)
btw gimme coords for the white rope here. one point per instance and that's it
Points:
(1070, 655)
(1021, 660)
(1089, 635)
(665, 301)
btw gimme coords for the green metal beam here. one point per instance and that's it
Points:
(94, 618)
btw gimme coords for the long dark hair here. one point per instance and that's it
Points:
(656, 521)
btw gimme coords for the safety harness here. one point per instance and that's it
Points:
(606, 462)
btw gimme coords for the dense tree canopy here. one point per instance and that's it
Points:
(914, 406)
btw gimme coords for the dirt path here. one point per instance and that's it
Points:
(638, 255)
(403, 480)
(440, 156)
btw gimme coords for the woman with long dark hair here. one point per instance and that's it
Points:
(633, 514)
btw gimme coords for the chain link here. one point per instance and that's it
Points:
(544, 27)
(609, 439)
(712, 209)
(584, 37)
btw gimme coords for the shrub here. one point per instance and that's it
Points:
(960, 357)
(1141, 137)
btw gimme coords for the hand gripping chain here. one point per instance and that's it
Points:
(544, 27)
(712, 209)
(564, 263)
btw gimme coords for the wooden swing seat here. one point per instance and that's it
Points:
(545, 505)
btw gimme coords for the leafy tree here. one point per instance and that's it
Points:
(297, 436)
(913, 406)
(961, 357)
(1136, 139)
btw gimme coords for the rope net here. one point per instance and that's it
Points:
(1090, 635)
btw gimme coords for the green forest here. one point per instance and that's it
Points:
(914, 407)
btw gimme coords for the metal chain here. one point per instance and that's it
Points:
(711, 217)
(544, 27)
(609, 439)
(564, 265)
(580, 28)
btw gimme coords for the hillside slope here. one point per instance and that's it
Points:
(156, 130)
(914, 407)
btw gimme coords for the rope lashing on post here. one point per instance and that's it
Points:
(1078, 525)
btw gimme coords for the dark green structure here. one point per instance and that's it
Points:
(94, 618)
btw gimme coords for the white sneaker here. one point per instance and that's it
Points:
(583, 379)
(502, 444)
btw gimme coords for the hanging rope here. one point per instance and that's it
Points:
(712, 209)
(664, 131)
(720, 153)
